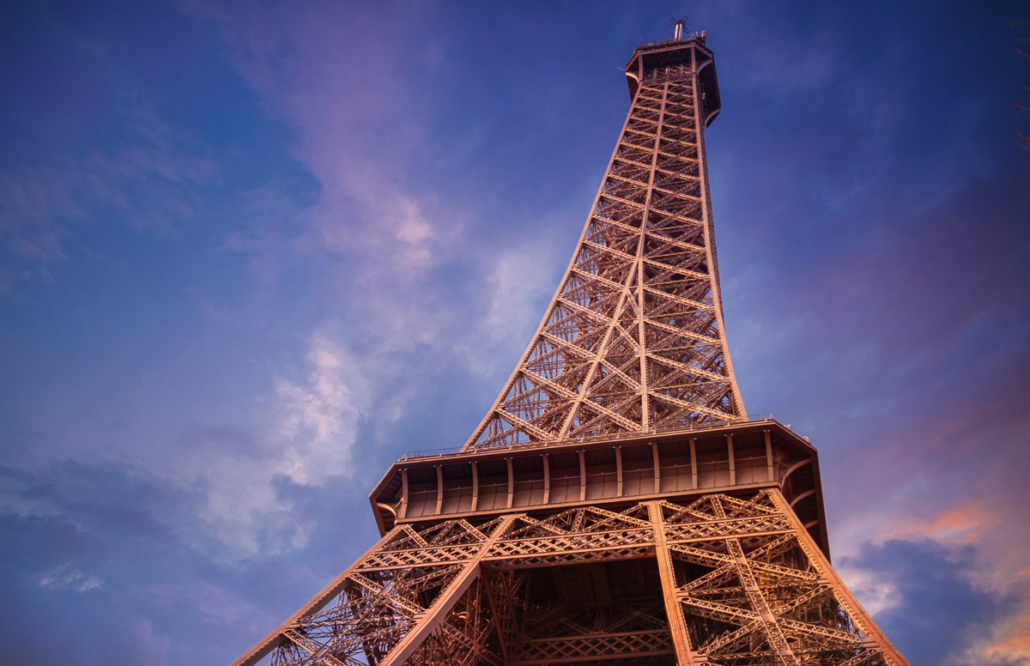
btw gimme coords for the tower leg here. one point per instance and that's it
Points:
(396, 599)
(844, 597)
(443, 604)
(315, 604)
(760, 591)
(673, 611)
(713, 579)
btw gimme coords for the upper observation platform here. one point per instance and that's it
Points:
(675, 58)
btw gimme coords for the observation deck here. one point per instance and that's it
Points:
(686, 55)
(737, 458)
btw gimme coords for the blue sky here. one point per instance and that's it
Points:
(251, 253)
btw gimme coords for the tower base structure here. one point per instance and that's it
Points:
(699, 547)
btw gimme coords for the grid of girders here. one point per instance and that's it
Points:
(633, 340)
(740, 583)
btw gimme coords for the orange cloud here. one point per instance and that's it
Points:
(1016, 642)
(964, 524)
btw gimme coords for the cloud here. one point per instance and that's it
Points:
(876, 593)
(934, 612)
(957, 525)
(517, 282)
(1006, 640)
(396, 254)
(1009, 642)
(883, 311)
(149, 181)
(356, 128)
(296, 425)
(227, 492)
(390, 249)
(119, 561)
(250, 485)
(319, 415)
(66, 577)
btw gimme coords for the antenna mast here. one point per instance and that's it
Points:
(678, 25)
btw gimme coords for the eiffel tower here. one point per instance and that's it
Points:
(617, 505)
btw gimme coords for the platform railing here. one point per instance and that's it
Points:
(541, 444)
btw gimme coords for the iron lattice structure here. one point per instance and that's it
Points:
(634, 337)
(616, 505)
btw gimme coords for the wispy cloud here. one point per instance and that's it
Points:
(149, 182)
(1009, 642)
(319, 414)
(877, 593)
(67, 577)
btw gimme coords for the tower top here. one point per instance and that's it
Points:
(633, 341)
(685, 53)
(679, 24)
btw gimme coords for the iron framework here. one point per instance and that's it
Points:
(634, 337)
(616, 505)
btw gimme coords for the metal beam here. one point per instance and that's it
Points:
(657, 469)
(511, 483)
(733, 465)
(547, 479)
(770, 474)
(858, 614)
(673, 611)
(693, 463)
(582, 476)
(618, 471)
(403, 513)
(443, 604)
(315, 604)
(439, 489)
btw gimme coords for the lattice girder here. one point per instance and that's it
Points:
(748, 585)
(632, 347)
(633, 339)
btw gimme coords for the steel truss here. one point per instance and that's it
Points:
(633, 342)
(633, 339)
(741, 583)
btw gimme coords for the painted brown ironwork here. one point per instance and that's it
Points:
(657, 526)
(633, 339)
(743, 582)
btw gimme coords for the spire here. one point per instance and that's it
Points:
(679, 25)
(633, 340)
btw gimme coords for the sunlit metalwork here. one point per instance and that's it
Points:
(617, 504)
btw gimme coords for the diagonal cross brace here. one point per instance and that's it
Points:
(437, 613)
(315, 604)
